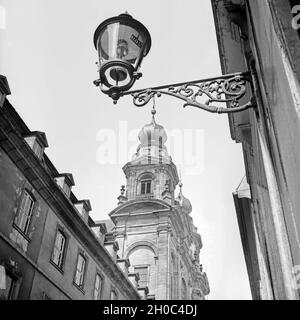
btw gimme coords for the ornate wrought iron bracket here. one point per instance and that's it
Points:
(227, 89)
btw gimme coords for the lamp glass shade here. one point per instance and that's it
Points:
(122, 42)
(118, 41)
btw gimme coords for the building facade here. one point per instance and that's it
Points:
(262, 36)
(50, 248)
(153, 227)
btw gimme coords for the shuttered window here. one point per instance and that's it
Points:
(80, 270)
(59, 249)
(98, 287)
(24, 216)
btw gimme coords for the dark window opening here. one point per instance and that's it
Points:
(146, 187)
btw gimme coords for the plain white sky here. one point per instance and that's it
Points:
(47, 54)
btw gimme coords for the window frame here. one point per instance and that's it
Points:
(61, 230)
(66, 189)
(11, 290)
(147, 184)
(98, 274)
(12, 272)
(19, 217)
(37, 148)
(35, 145)
(81, 285)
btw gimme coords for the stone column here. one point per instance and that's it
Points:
(163, 261)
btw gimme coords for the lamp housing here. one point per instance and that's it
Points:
(122, 42)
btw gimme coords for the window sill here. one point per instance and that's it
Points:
(57, 267)
(25, 236)
(79, 288)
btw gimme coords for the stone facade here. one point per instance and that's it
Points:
(50, 248)
(258, 36)
(153, 228)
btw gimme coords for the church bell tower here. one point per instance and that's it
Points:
(153, 227)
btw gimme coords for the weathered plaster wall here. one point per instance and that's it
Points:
(268, 40)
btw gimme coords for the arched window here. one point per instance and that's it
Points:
(142, 261)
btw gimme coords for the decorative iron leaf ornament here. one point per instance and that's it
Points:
(227, 89)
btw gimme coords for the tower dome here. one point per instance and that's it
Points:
(152, 139)
(152, 133)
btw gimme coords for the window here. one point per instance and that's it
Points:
(113, 294)
(8, 292)
(146, 181)
(65, 181)
(144, 275)
(80, 270)
(66, 189)
(145, 186)
(59, 249)
(98, 287)
(37, 149)
(24, 216)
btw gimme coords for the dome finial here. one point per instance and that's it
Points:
(180, 182)
(152, 142)
(153, 111)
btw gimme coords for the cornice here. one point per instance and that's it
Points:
(129, 168)
(131, 202)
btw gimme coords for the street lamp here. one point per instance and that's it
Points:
(122, 42)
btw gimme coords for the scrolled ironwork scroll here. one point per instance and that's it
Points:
(229, 89)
